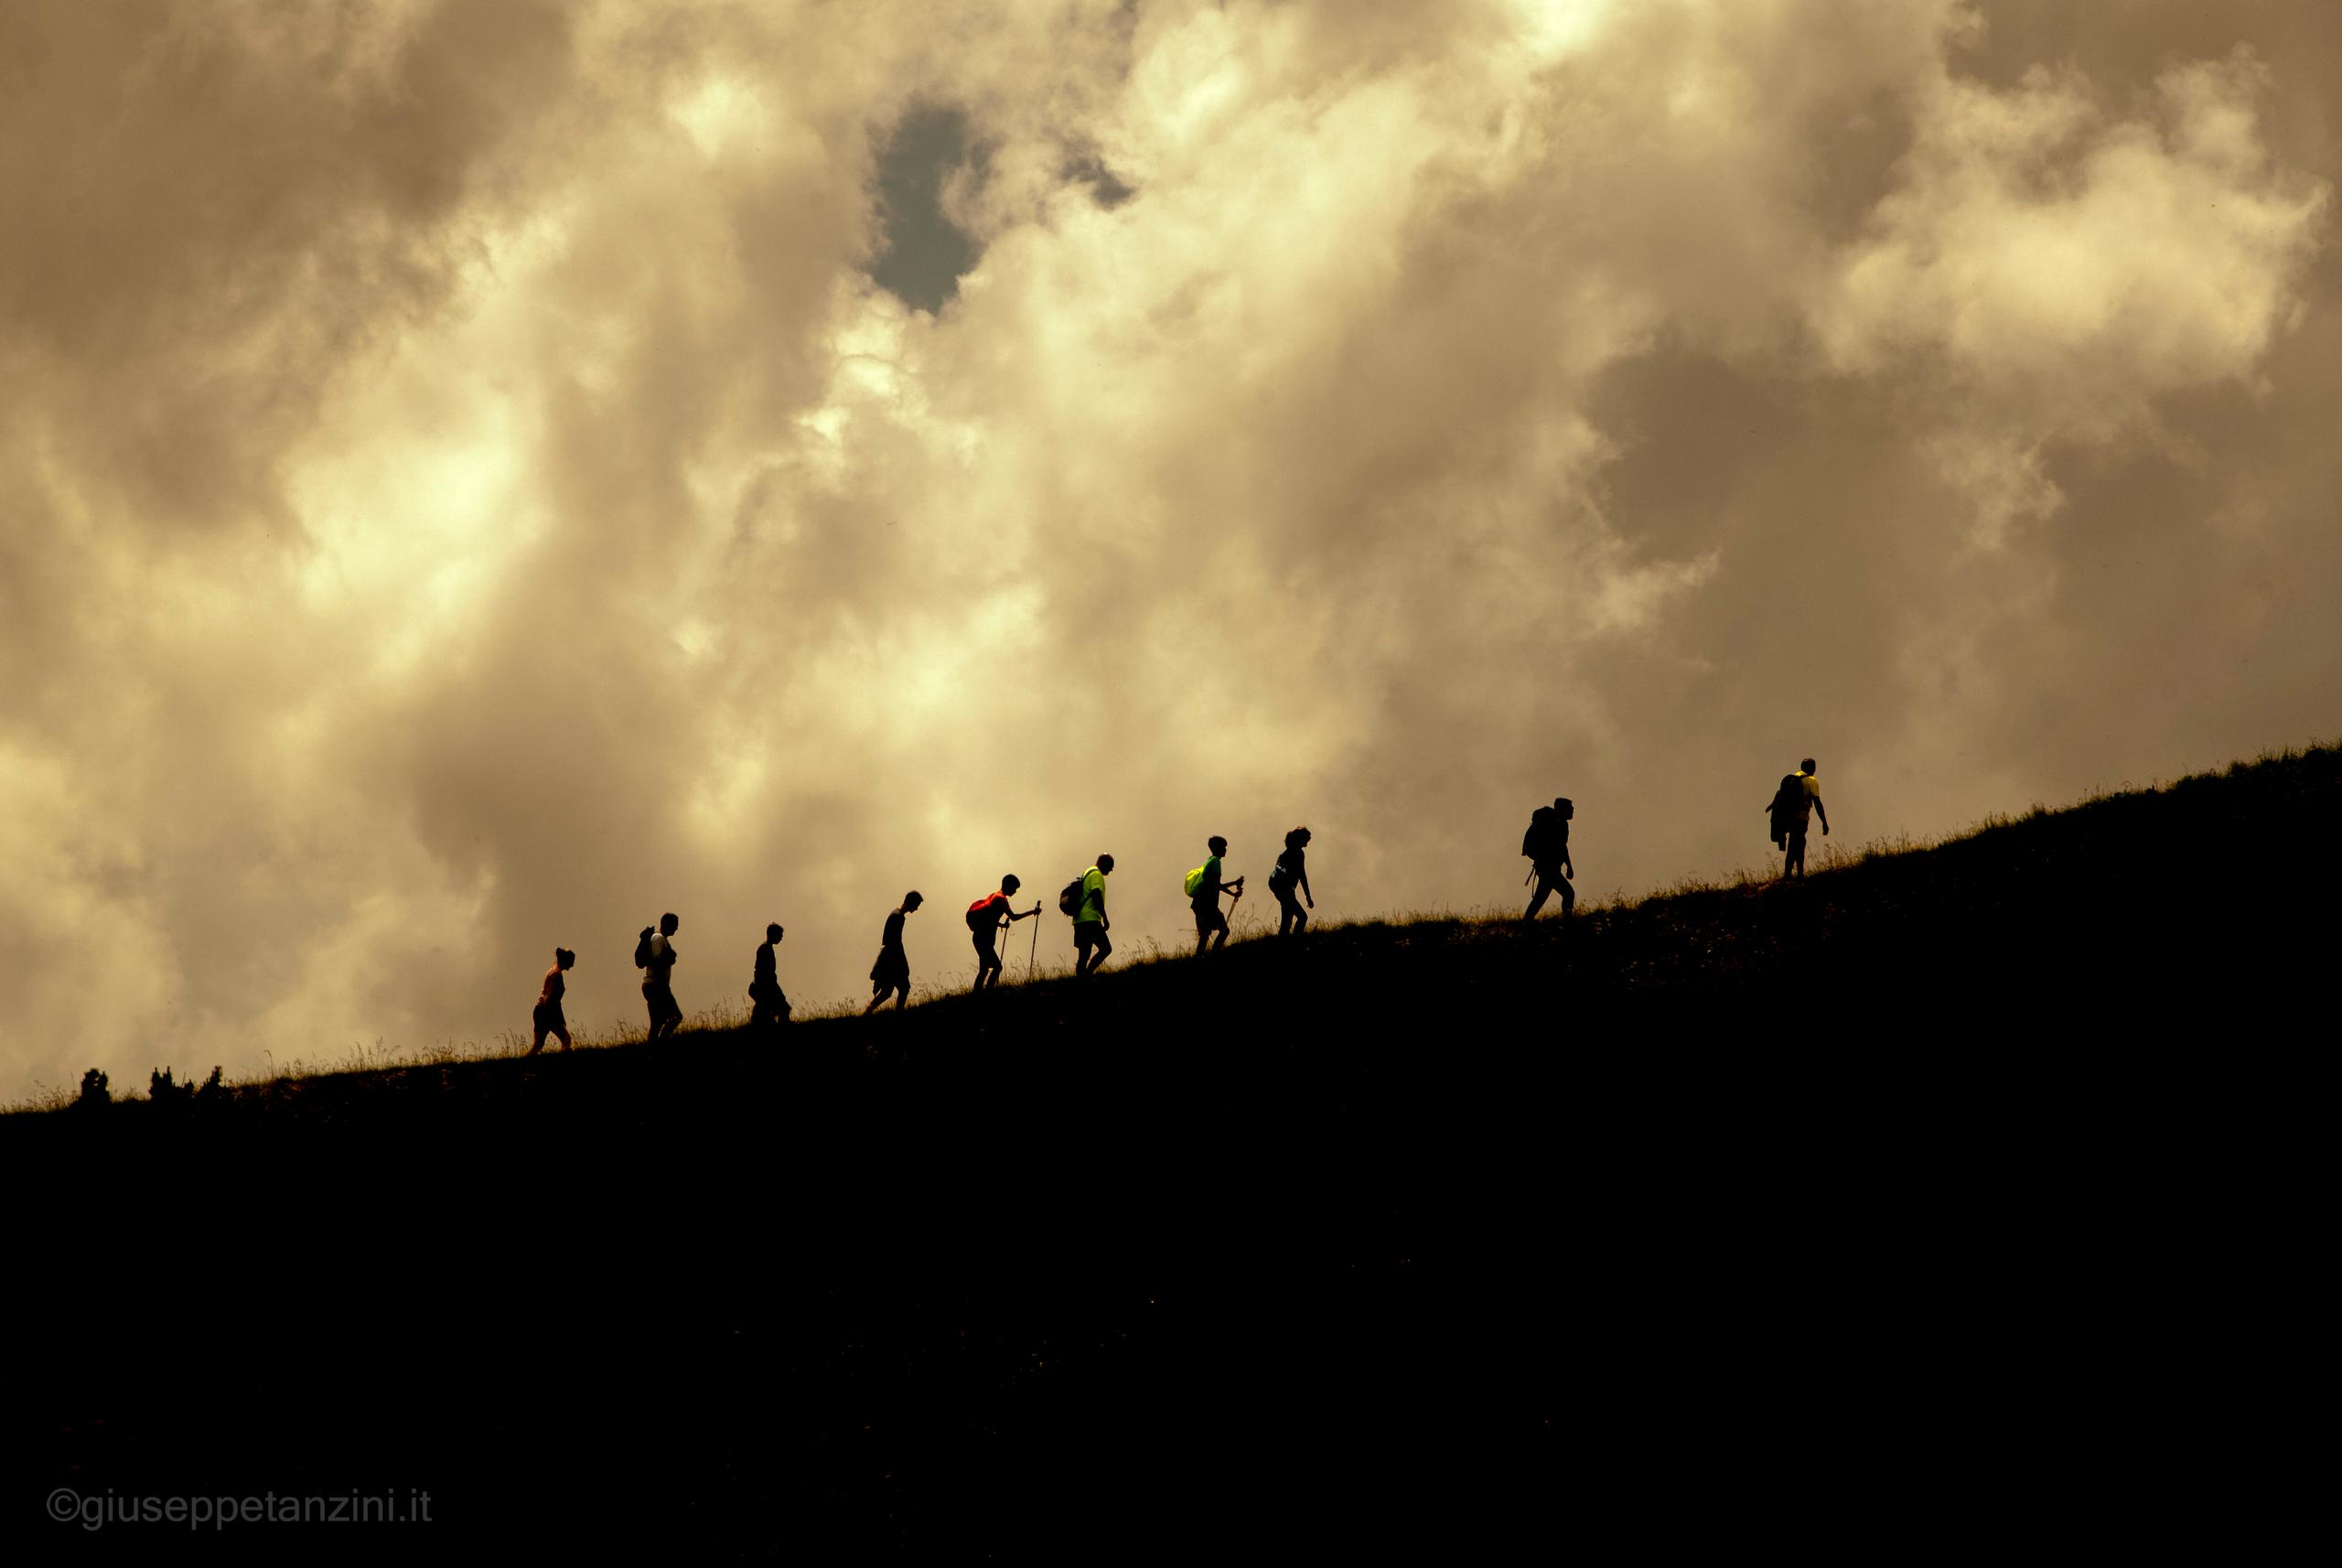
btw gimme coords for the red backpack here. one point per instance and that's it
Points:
(985, 911)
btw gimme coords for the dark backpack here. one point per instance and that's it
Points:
(1786, 801)
(642, 950)
(1070, 897)
(1537, 842)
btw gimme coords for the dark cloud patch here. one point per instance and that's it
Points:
(1106, 188)
(924, 254)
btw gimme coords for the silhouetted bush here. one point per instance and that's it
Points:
(96, 1096)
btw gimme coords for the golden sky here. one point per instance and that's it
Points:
(476, 476)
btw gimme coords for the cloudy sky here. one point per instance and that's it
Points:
(475, 476)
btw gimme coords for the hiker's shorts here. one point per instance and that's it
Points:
(1088, 934)
(660, 995)
(547, 1018)
(1211, 920)
(984, 944)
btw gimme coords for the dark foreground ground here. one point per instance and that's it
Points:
(1956, 1199)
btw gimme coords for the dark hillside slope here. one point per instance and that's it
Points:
(1736, 1209)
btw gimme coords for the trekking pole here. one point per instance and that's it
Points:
(1035, 949)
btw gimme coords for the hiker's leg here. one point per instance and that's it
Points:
(562, 1035)
(539, 1044)
(875, 997)
(1569, 896)
(1537, 899)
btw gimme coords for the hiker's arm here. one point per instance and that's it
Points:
(1304, 890)
(1819, 811)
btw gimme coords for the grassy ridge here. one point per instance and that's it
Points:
(1430, 1230)
(2214, 865)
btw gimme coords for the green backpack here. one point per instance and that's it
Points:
(1195, 882)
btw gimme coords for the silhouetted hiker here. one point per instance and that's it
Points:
(1204, 888)
(767, 1003)
(547, 1019)
(892, 973)
(1547, 845)
(1085, 899)
(987, 917)
(1799, 793)
(654, 954)
(1292, 872)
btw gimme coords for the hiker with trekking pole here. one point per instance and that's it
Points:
(990, 915)
(1547, 845)
(1204, 888)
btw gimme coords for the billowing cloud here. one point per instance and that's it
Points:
(466, 490)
